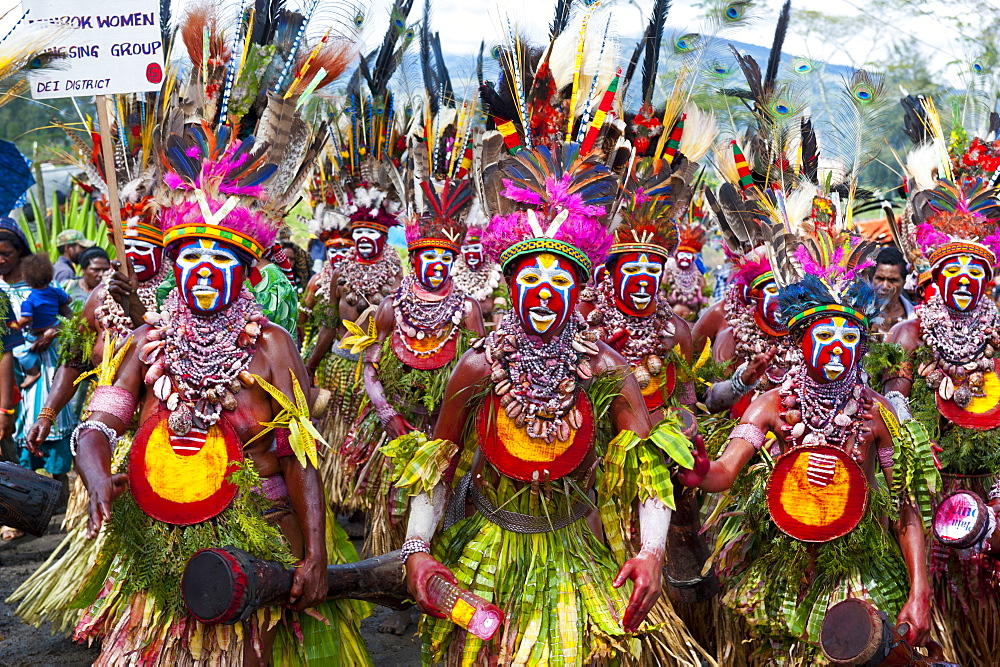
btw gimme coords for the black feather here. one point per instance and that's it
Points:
(774, 58)
(751, 71)
(166, 32)
(810, 152)
(561, 18)
(496, 106)
(447, 93)
(994, 125)
(914, 119)
(651, 58)
(432, 85)
(387, 60)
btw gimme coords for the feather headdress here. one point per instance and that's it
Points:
(550, 173)
(234, 147)
(954, 204)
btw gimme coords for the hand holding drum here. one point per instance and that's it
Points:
(855, 633)
(227, 585)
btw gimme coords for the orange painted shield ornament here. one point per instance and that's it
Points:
(983, 413)
(817, 493)
(660, 387)
(517, 455)
(183, 481)
(427, 353)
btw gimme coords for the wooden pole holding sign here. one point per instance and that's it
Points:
(111, 178)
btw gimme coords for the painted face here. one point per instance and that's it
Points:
(765, 309)
(545, 292)
(830, 346)
(473, 254)
(146, 258)
(336, 253)
(962, 281)
(209, 275)
(685, 259)
(433, 266)
(369, 242)
(636, 280)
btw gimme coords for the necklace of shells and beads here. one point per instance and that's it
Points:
(963, 344)
(367, 284)
(825, 413)
(649, 338)
(419, 318)
(684, 284)
(480, 284)
(198, 363)
(537, 382)
(749, 341)
(110, 313)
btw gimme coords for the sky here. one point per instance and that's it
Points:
(464, 23)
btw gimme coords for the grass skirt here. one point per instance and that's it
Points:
(555, 591)
(337, 374)
(48, 594)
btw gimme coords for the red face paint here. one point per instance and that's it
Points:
(146, 258)
(209, 275)
(545, 292)
(369, 243)
(830, 346)
(432, 266)
(962, 280)
(765, 310)
(636, 279)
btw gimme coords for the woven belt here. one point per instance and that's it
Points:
(524, 523)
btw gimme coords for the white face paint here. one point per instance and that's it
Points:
(367, 241)
(685, 259)
(473, 254)
(640, 280)
(434, 266)
(208, 274)
(832, 346)
(544, 289)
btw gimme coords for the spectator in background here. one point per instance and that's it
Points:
(70, 243)
(40, 311)
(889, 278)
(94, 263)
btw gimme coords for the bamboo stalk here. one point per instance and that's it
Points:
(110, 175)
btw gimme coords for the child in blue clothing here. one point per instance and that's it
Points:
(40, 311)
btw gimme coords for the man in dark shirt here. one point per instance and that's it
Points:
(70, 243)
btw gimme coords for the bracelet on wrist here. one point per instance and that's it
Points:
(414, 545)
(93, 425)
(47, 413)
(739, 387)
(11, 411)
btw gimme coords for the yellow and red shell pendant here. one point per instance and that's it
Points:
(660, 387)
(983, 412)
(183, 480)
(817, 493)
(432, 351)
(518, 455)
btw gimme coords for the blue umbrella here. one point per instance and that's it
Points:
(15, 176)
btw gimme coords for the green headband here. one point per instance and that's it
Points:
(847, 311)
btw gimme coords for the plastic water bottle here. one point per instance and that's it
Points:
(465, 609)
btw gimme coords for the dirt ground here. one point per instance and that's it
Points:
(22, 644)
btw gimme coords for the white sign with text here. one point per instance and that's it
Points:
(115, 47)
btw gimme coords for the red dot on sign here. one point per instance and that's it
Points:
(154, 73)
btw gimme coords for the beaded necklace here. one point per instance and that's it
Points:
(750, 340)
(825, 413)
(649, 337)
(963, 345)
(323, 283)
(685, 284)
(479, 284)
(537, 381)
(110, 313)
(419, 318)
(198, 363)
(368, 284)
